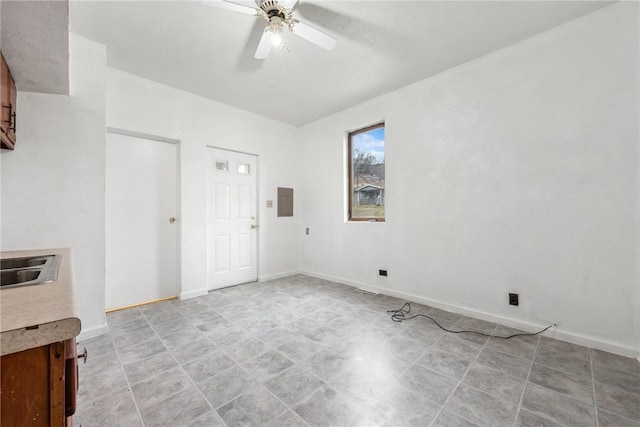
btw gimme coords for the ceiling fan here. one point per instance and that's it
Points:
(279, 15)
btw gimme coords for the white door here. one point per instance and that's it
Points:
(141, 230)
(232, 250)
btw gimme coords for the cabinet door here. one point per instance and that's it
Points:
(12, 97)
(8, 95)
(70, 377)
(5, 115)
(33, 387)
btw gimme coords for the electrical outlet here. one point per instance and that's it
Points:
(513, 299)
(382, 273)
(306, 231)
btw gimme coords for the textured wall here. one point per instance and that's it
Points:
(53, 183)
(515, 172)
(35, 42)
(140, 105)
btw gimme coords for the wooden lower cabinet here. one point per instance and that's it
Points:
(39, 386)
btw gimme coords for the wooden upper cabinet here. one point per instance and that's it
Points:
(8, 96)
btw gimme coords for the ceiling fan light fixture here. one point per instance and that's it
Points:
(276, 39)
(275, 27)
(279, 14)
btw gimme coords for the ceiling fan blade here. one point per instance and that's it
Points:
(314, 36)
(264, 47)
(235, 7)
(288, 4)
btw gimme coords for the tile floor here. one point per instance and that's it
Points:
(306, 352)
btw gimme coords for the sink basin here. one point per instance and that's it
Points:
(10, 263)
(14, 277)
(26, 271)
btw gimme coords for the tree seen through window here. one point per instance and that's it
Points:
(366, 175)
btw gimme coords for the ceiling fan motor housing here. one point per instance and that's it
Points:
(272, 9)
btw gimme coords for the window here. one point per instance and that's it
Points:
(222, 165)
(366, 174)
(244, 169)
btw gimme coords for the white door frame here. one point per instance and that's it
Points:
(258, 219)
(178, 223)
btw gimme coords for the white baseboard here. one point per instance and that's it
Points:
(200, 292)
(268, 277)
(354, 284)
(93, 332)
(193, 294)
(557, 332)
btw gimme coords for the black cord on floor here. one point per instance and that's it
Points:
(401, 315)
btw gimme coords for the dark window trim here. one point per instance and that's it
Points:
(350, 172)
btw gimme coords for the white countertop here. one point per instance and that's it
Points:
(36, 315)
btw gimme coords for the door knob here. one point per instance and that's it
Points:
(254, 226)
(172, 219)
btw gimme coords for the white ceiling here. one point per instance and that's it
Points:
(382, 46)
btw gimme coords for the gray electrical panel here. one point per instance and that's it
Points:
(285, 201)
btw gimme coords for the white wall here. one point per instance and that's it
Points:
(515, 172)
(139, 105)
(53, 183)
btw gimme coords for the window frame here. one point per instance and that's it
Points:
(350, 171)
